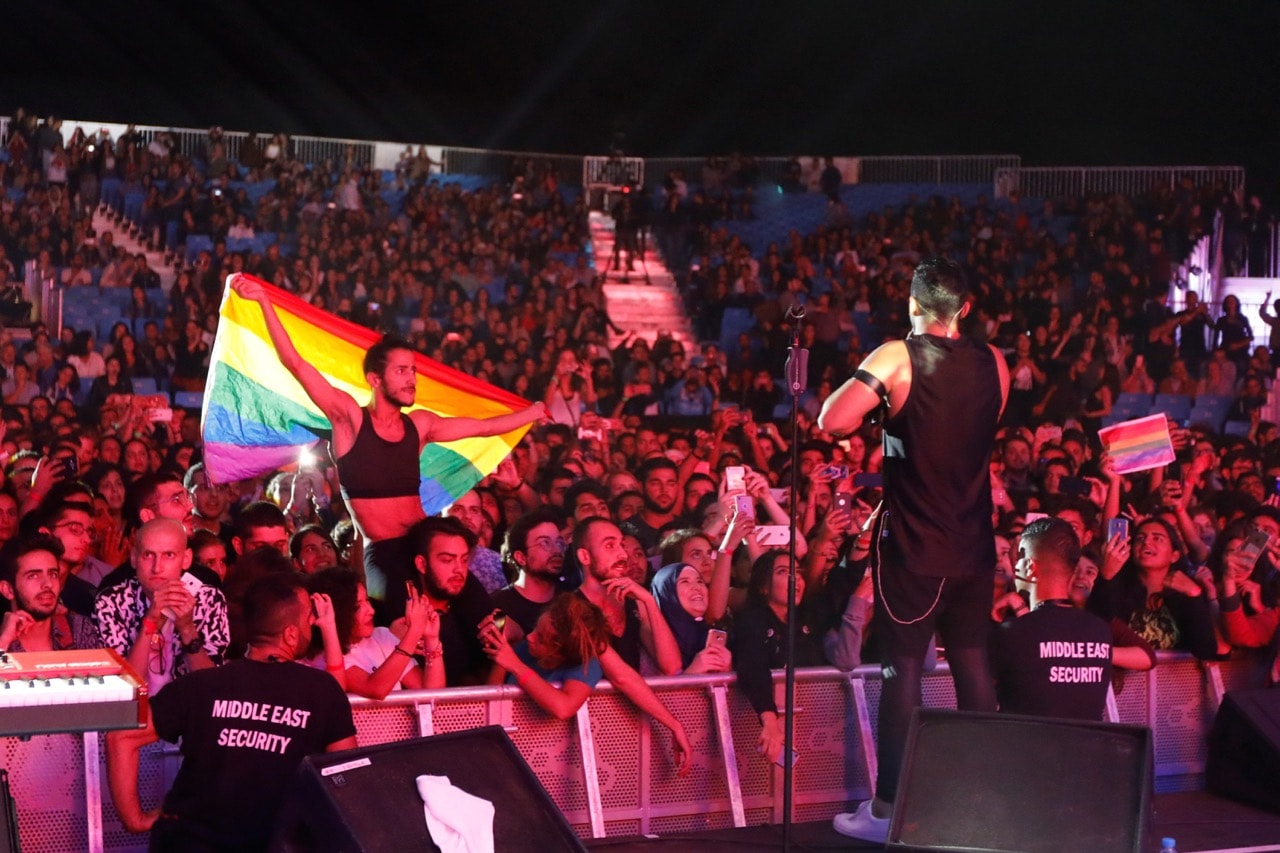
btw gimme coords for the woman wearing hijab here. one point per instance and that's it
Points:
(682, 597)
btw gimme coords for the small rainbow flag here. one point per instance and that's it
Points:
(257, 418)
(1139, 444)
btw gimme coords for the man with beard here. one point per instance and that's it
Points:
(71, 524)
(244, 729)
(630, 611)
(485, 564)
(376, 447)
(31, 579)
(534, 552)
(441, 551)
(659, 483)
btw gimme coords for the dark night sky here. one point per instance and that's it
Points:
(1060, 84)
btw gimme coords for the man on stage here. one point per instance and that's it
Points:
(932, 553)
(376, 447)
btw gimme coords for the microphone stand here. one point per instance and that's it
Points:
(797, 377)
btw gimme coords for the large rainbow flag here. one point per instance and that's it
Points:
(257, 417)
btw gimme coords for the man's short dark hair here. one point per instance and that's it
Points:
(517, 538)
(20, 546)
(1052, 539)
(142, 491)
(421, 534)
(584, 487)
(259, 514)
(582, 531)
(652, 464)
(817, 446)
(375, 358)
(554, 473)
(271, 604)
(940, 287)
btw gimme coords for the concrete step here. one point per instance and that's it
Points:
(643, 300)
(121, 230)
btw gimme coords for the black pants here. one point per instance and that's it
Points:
(388, 564)
(174, 835)
(909, 608)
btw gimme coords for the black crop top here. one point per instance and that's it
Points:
(376, 468)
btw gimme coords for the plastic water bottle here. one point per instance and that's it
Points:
(1168, 845)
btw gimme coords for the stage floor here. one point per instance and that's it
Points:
(1200, 822)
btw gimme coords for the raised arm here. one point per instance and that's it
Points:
(336, 404)
(432, 427)
(655, 634)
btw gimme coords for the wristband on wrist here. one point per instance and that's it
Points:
(524, 676)
(434, 654)
(195, 646)
(398, 650)
(335, 667)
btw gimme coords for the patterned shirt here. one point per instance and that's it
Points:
(486, 565)
(118, 612)
(70, 631)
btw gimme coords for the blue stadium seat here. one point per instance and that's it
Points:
(188, 399)
(1131, 404)
(1210, 409)
(1238, 429)
(1176, 406)
(145, 385)
(734, 322)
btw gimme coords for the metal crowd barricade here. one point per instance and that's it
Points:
(610, 769)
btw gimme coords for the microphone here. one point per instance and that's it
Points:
(797, 369)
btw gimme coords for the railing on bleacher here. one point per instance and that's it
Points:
(1079, 181)
(952, 169)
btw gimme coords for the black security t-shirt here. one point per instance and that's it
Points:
(245, 727)
(1053, 662)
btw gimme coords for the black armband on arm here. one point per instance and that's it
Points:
(876, 386)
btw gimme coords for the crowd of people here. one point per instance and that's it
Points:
(638, 528)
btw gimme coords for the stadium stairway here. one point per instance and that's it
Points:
(644, 301)
(131, 239)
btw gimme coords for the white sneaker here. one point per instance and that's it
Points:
(863, 825)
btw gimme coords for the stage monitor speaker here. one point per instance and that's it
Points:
(1001, 782)
(367, 799)
(1244, 748)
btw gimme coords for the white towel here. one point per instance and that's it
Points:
(458, 822)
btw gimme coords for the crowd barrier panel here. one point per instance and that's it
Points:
(610, 769)
(1078, 181)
